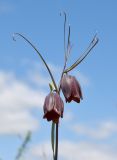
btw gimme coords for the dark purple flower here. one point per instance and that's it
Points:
(53, 107)
(71, 88)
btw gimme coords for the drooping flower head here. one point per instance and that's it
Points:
(53, 107)
(71, 88)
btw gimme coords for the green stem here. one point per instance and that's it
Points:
(83, 56)
(65, 51)
(59, 88)
(65, 19)
(68, 44)
(65, 32)
(56, 147)
(50, 73)
(53, 137)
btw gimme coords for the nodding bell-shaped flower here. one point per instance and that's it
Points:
(71, 88)
(53, 107)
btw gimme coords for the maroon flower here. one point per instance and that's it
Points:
(53, 107)
(71, 88)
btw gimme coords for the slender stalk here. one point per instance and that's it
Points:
(68, 44)
(56, 147)
(66, 51)
(83, 56)
(65, 33)
(59, 88)
(53, 137)
(50, 73)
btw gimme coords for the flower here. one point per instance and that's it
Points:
(71, 88)
(53, 107)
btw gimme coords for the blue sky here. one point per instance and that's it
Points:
(89, 129)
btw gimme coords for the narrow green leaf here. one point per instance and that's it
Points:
(53, 137)
(68, 43)
(83, 56)
(46, 65)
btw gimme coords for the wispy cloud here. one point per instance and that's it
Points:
(17, 122)
(16, 100)
(69, 150)
(83, 79)
(101, 131)
(68, 116)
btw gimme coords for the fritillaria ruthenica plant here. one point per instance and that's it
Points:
(53, 105)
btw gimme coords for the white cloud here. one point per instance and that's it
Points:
(68, 116)
(39, 75)
(83, 79)
(102, 131)
(15, 93)
(55, 68)
(69, 150)
(17, 122)
(16, 100)
(40, 79)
